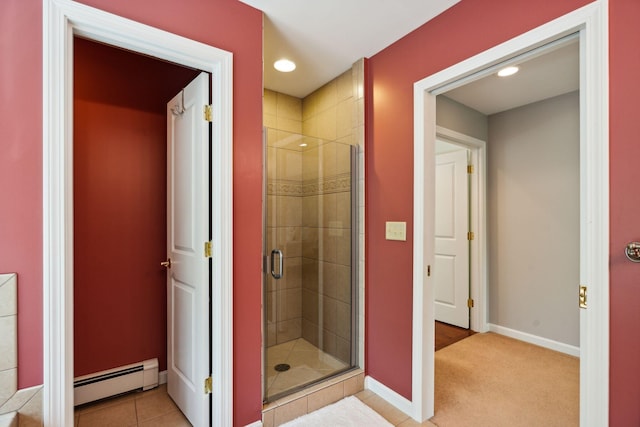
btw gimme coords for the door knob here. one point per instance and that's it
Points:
(167, 263)
(632, 251)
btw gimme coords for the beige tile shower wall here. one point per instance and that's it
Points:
(282, 112)
(331, 112)
(335, 112)
(283, 298)
(326, 249)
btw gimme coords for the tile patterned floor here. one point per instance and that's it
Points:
(149, 408)
(155, 408)
(307, 362)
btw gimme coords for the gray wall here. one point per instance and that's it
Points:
(460, 118)
(533, 218)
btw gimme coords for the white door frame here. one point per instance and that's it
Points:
(592, 22)
(62, 19)
(477, 206)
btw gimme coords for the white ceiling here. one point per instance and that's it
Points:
(545, 76)
(324, 38)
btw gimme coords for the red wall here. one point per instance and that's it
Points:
(624, 69)
(120, 205)
(227, 24)
(469, 28)
(21, 173)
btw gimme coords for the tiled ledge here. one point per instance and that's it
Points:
(9, 420)
(8, 337)
(27, 403)
(315, 397)
(17, 407)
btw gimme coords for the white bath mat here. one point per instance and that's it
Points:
(348, 412)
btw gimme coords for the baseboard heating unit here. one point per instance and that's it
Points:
(143, 376)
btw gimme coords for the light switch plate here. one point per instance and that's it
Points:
(396, 230)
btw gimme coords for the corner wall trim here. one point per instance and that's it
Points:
(387, 394)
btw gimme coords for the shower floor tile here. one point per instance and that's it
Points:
(307, 364)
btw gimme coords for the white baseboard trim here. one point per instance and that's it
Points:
(256, 424)
(389, 395)
(534, 339)
(162, 377)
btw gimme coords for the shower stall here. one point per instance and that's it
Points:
(310, 261)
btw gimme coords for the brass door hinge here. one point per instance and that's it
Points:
(207, 249)
(208, 387)
(208, 113)
(470, 236)
(582, 298)
(470, 303)
(469, 168)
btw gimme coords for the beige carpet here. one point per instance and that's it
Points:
(488, 380)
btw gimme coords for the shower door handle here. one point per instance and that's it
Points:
(278, 252)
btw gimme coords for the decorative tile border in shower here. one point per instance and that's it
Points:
(17, 407)
(333, 184)
(284, 187)
(312, 187)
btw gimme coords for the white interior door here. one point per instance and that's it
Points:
(451, 270)
(187, 231)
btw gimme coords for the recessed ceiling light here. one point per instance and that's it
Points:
(284, 65)
(509, 71)
(303, 145)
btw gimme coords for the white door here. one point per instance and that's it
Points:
(451, 270)
(187, 231)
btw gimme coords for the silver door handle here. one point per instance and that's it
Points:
(278, 252)
(632, 251)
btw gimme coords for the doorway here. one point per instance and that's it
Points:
(590, 22)
(120, 202)
(129, 137)
(62, 22)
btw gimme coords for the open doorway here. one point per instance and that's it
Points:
(589, 22)
(530, 159)
(120, 206)
(62, 22)
(532, 209)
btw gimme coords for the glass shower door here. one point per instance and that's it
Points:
(309, 300)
